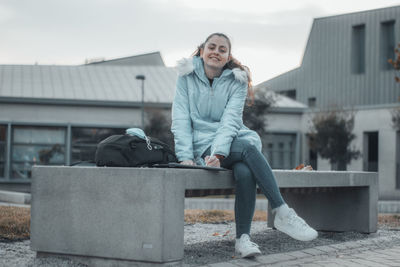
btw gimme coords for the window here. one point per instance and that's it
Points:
(387, 44)
(312, 102)
(370, 151)
(280, 150)
(36, 145)
(85, 140)
(3, 133)
(289, 93)
(312, 154)
(281, 153)
(358, 49)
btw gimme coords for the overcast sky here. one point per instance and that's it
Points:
(268, 36)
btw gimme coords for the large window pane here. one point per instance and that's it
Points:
(36, 146)
(358, 49)
(280, 150)
(39, 154)
(3, 133)
(85, 140)
(387, 44)
(2, 167)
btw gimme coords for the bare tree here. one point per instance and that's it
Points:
(396, 62)
(331, 136)
(159, 126)
(254, 113)
(396, 111)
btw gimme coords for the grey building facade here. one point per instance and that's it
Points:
(345, 62)
(345, 67)
(55, 115)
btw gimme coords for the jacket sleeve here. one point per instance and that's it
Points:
(231, 121)
(181, 122)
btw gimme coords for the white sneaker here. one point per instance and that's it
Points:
(287, 221)
(245, 248)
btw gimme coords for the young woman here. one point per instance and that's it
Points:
(208, 129)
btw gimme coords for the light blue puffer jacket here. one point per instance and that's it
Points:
(204, 115)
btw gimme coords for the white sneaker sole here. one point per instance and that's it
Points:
(300, 238)
(248, 255)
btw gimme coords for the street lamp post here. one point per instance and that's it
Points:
(142, 77)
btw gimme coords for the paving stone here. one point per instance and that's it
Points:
(298, 254)
(245, 262)
(313, 251)
(389, 253)
(383, 261)
(352, 245)
(327, 249)
(363, 262)
(330, 264)
(343, 262)
(394, 249)
(339, 246)
(273, 258)
(222, 264)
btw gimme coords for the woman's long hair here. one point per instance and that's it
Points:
(231, 64)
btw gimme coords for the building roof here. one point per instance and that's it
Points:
(282, 101)
(96, 85)
(149, 59)
(87, 82)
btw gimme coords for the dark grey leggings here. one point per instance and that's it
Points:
(250, 168)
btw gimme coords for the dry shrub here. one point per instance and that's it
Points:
(218, 216)
(14, 223)
(389, 220)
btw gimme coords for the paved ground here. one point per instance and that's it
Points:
(381, 251)
(378, 249)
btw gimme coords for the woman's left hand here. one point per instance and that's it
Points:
(212, 161)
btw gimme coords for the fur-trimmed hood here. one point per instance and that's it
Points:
(205, 114)
(186, 66)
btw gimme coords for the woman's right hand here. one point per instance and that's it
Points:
(188, 162)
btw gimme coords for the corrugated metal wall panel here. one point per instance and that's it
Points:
(326, 71)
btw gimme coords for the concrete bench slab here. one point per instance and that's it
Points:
(135, 216)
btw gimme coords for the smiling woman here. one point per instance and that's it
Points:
(207, 123)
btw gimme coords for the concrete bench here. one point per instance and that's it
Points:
(135, 216)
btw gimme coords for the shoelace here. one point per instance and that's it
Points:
(294, 219)
(253, 244)
(246, 239)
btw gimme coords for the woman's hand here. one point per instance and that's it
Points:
(188, 162)
(212, 161)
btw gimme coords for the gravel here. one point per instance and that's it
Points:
(204, 244)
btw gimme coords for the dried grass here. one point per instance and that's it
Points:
(14, 223)
(218, 216)
(389, 220)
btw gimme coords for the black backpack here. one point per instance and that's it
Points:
(132, 151)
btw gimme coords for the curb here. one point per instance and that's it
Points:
(15, 197)
(295, 257)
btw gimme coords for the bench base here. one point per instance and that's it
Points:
(351, 210)
(111, 213)
(105, 262)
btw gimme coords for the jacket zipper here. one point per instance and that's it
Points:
(212, 89)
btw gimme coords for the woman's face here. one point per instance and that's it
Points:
(216, 52)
